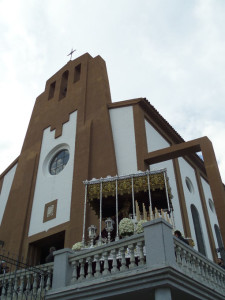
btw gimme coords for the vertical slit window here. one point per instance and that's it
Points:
(51, 91)
(77, 72)
(198, 230)
(63, 86)
(220, 242)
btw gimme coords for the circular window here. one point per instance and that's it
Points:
(189, 185)
(59, 162)
(211, 205)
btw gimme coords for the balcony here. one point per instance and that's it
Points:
(151, 265)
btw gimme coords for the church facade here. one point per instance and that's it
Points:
(76, 133)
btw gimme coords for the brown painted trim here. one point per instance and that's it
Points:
(206, 215)
(124, 103)
(50, 215)
(202, 144)
(9, 167)
(29, 205)
(181, 197)
(173, 151)
(44, 234)
(140, 137)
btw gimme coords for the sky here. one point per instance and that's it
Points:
(171, 52)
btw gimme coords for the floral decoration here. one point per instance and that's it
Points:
(139, 227)
(126, 227)
(77, 246)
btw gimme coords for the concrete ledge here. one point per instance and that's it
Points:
(140, 282)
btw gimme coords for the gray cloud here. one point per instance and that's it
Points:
(171, 52)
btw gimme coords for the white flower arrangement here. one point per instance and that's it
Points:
(77, 246)
(139, 227)
(126, 227)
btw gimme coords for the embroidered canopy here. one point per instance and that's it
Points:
(141, 182)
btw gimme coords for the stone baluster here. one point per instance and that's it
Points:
(194, 266)
(141, 253)
(114, 264)
(218, 280)
(106, 263)
(199, 269)
(212, 277)
(132, 258)
(82, 273)
(188, 262)
(203, 274)
(15, 288)
(74, 271)
(183, 261)
(28, 284)
(4, 290)
(222, 280)
(178, 256)
(49, 277)
(207, 274)
(20, 294)
(89, 274)
(41, 286)
(123, 259)
(35, 283)
(97, 268)
(9, 289)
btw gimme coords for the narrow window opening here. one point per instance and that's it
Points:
(77, 71)
(220, 248)
(51, 91)
(198, 230)
(63, 86)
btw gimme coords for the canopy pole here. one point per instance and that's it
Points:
(149, 192)
(117, 217)
(132, 180)
(168, 203)
(85, 207)
(100, 219)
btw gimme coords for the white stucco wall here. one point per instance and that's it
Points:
(51, 187)
(194, 198)
(122, 123)
(212, 214)
(6, 187)
(155, 142)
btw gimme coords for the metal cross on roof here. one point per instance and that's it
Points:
(71, 53)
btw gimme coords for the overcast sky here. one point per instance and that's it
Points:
(170, 51)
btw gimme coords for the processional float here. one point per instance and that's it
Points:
(111, 189)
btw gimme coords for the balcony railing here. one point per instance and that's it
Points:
(198, 267)
(28, 283)
(111, 258)
(154, 250)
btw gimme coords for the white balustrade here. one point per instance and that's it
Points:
(104, 260)
(198, 267)
(27, 283)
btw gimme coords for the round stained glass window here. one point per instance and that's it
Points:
(59, 162)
